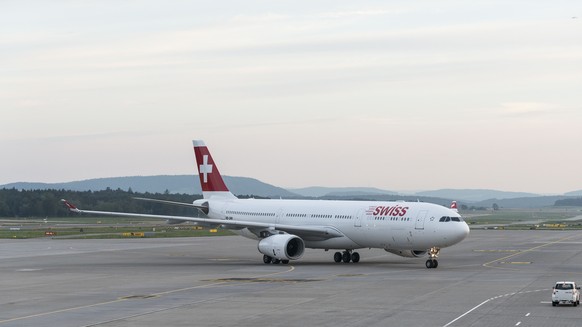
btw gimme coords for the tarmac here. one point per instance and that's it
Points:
(493, 278)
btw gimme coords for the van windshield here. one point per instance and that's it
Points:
(563, 286)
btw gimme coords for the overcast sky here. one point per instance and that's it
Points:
(399, 95)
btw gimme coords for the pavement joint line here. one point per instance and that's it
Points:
(126, 298)
(496, 250)
(487, 264)
(61, 310)
(147, 313)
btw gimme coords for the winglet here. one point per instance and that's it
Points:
(70, 205)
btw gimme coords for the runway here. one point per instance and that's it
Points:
(493, 278)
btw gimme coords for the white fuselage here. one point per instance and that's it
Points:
(363, 224)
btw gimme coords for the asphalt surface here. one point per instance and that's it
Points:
(493, 278)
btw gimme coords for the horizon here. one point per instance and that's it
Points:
(399, 191)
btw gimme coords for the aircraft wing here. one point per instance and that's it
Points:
(191, 205)
(309, 232)
(170, 202)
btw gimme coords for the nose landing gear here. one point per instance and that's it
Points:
(433, 254)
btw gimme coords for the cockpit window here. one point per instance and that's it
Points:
(447, 219)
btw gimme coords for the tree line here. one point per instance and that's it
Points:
(570, 202)
(46, 203)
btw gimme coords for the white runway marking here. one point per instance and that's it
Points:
(495, 298)
(466, 313)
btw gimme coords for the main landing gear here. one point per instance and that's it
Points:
(267, 260)
(346, 256)
(433, 254)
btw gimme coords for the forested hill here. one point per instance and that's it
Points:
(186, 184)
(46, 203)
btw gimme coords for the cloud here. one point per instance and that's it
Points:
(29, 104)
(359, 13)
(528, 109)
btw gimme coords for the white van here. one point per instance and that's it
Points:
(566, 292)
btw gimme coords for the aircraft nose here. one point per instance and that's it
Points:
(461, 232)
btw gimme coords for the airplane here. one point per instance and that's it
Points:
(285, 228)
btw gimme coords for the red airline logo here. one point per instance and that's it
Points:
(210, 178)
(395, 211)
(205, 168)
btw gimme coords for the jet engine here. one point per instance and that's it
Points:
(282, 247)
(407, 253)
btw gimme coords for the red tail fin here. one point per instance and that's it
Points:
(69, 205)
(210, 178)
(454, 206)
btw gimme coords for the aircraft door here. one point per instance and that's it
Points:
(279, 216)
(419, 224)
(224, 211)
(358, 218)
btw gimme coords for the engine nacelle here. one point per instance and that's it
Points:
(282, 247)
(407, 253)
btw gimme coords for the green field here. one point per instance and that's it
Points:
(526, 218)
(115, 227)
(108, 227)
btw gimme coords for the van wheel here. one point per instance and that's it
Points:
(575, 303)
(554, 304)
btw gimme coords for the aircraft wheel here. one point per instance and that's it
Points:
(337, 257)
(355, 257)
(432, 263)
(267, 259)
(285, 262)
(276, 261)
(346, 257)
